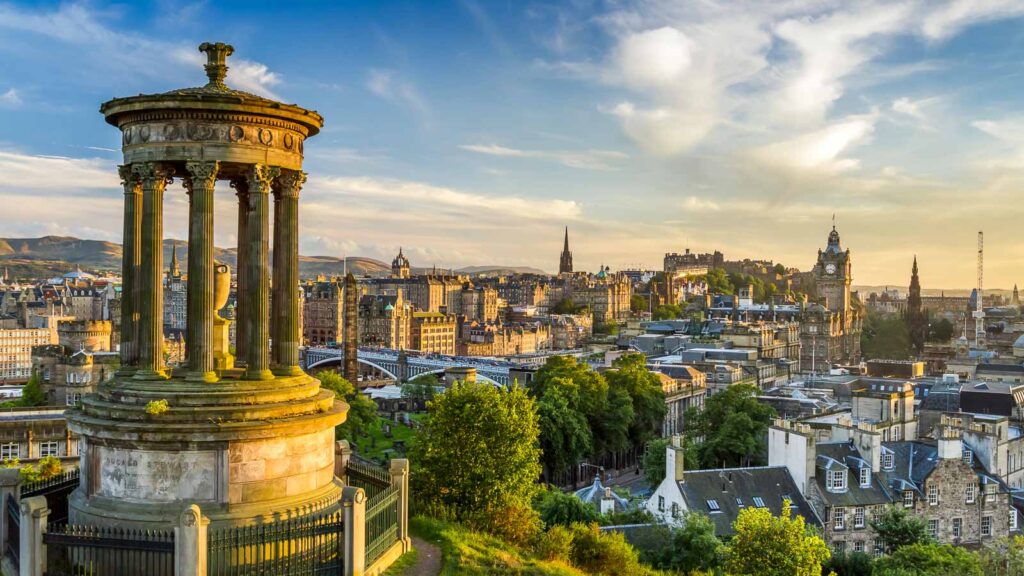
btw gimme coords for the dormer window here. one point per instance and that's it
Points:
(968, 457)
(865, 477)
(835, 481)
(888, 462)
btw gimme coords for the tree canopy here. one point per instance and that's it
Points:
(642, 387)
(928, 559)
(767, 545)
(733, 425)
(885, 337)
(362, 411)
(896, 527)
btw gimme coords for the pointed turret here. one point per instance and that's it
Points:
(917, 321)
(565, 261)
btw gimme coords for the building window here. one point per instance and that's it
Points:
(839, 547)
(858, 518)
(865, 477)
(908, 499)
(986, 525)
(878, 547)
(675, 510)
(713, 505)
(858, 546)
(896, 434)
(958, 527)
(10, 451)
(1013, 518)
(758, 502)
(969, 457)
(933, 495)
(661, 503)
(888, 462)
(47, 449)
(739, 502)
(72, 398)
(836, 480)
(972, 491)
(933, 528)
(840, 517)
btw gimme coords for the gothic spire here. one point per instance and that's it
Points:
(565, 248)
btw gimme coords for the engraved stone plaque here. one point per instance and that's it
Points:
(148, 475)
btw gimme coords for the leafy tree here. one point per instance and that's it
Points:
(604, 553)
(849, 564)
(32, 394)
(928, 559)
(779, 269)
(565, 436)
(1003, 558)
(768, 545)
(476, 460)
(558, 508)
(666, 312)
(565, 306)
(718, 282)
(643, 387)
(896, 527)
(885, 337)
(421, 388)
(733, 425)
(362, 411)
(637, 303)
(654, 461)
(940, 331)
(694, 547)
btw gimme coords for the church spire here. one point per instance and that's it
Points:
(565, 261)
(174, 260)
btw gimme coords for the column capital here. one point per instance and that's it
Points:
(259, 177)
(289, 182)
(153, 173)
(202, 173)
(129, 180)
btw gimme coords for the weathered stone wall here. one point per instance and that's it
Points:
(952, 476)
(281, 467)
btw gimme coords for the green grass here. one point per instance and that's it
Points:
(468, 553)
(374, 445)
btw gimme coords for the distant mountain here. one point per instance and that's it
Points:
(52, 256)
(498, 270)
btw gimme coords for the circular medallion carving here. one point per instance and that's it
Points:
(172, 132)
(144, 134)
(236, 133)
(288, 140)
(266, 136)
(199, 131)
(126, 136)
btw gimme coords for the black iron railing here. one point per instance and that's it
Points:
(66, 480)
(372, 479)
(73, 550)
(298, 546)
(381, 522)
(13, 519)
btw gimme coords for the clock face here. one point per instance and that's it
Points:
(830, 268)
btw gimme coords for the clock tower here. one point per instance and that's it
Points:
(833, 275)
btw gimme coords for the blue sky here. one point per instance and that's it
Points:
(471, 132)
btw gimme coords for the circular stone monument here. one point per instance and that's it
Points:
(248, 439)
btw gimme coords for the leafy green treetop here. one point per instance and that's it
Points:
(767, 545)
(896, 527)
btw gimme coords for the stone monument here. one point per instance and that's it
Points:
(246, 444)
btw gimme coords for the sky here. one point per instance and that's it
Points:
(472, 132)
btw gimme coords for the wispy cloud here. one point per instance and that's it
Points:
(390, 86)
(583, 159)
(10, 99)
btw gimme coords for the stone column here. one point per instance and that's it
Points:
(32, 524)
(130, 269)
(154, 178)
(286, 273)
(400, 476)
(200, 183)
(257, 268)
(190, 546)
(353, 502)
(10, 478)
(241, 187)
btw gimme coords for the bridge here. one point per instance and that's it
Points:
(404, 366)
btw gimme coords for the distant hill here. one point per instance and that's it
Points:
(498, 270)
(52, 256)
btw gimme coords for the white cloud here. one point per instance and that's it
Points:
(584, 159)
(694, 204)
(387, 84)
(10, 99)
(653, 58)
(821, 150)
(56, 173)
(909, 107)
(942, 20)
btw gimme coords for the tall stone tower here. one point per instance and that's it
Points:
(917, 321)
(400, 266)
(833, 274)
(248, 444)
(565, 262)
(350, 367)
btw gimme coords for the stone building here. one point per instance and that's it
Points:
(433, 332)
(322, 311)
(28, 434)
(385, 321)
(479, 303)
(16, 352)
(175, 295)
(684, 387)
(400, 266)
(78, 363)
(830, 330)
(491, 339)
(427, 293)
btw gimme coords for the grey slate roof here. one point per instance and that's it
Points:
(837, 455)
(735, 488)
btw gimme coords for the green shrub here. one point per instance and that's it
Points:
(555, 544)
(517, 525)
(606, 553)
(157, 407)
(559, 508)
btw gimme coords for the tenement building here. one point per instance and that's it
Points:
(433, 332)
(385, 321)
(16, 352)
(245, 438)
(322, 311)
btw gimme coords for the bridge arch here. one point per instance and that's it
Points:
(337, 362)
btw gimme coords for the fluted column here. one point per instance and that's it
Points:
(200, 183)
(130, 269)
(257, 268)
(241, 187)
(154, 178)
(286, 272)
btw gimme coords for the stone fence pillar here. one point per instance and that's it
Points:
(32, 552)
(10, 478)
(400, 477)
(342, 456)
(353, 501)
(190, 543)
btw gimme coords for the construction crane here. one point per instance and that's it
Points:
(979, 310)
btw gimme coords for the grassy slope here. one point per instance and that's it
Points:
(471, 553)
(380, 443)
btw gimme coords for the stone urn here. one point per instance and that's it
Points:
(221, 284)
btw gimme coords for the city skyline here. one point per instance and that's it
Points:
(472, 132)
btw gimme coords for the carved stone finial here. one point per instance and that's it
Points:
(216, 62)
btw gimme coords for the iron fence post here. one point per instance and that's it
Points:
(32, 556)
(353, 501)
